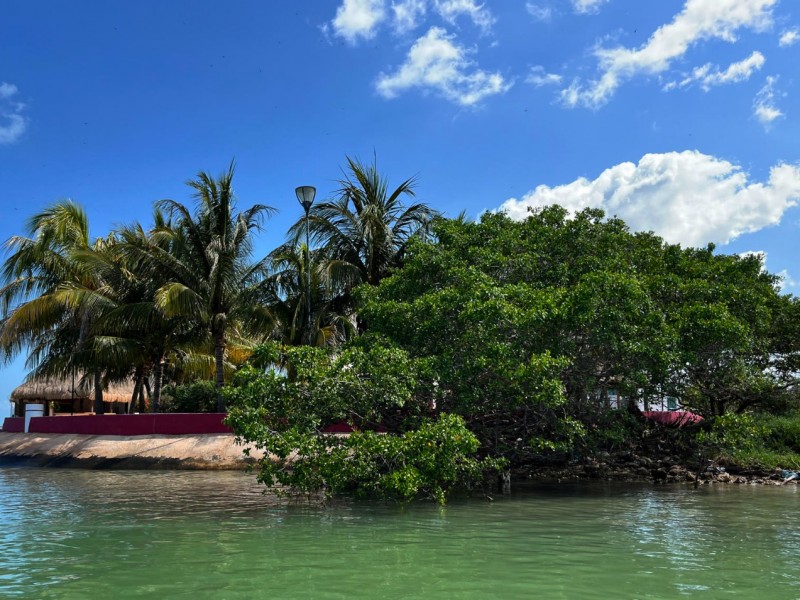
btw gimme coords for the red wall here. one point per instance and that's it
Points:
(146, 424)
(14, 424)
(675, 418)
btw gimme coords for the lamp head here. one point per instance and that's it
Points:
(305, 196)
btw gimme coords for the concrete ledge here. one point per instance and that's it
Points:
(196, 452)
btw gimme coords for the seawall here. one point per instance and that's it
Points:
(207, 451)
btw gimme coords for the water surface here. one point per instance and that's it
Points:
(72, 534)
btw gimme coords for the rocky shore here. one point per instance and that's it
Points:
(628, 466)
(196, 452)
(220, 452)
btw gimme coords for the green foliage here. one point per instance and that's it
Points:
(282, 409)
(308, 387)
(505, 335)
(734, 433)
(544, 315)
(284, 294)
(755, 440)
(429, 462)
(783, 431)
(611, 430)
(522, 323)
(197, 397)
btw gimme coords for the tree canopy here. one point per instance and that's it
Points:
(474, 346)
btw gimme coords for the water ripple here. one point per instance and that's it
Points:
(90, 534)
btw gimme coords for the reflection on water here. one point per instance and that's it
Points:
(93, 534)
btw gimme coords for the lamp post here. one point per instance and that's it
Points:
(305, 196)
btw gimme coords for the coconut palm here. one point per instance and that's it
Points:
(205, 255)
(133, 330)
(44, 300)
(284, 293)
(366, 225)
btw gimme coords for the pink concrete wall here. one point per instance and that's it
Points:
(14, 424)
(675, 418)
(145, 424)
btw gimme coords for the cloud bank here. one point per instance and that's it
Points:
(699, 20)
(436, 63)
(685, 197)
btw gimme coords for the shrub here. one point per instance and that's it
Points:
(197, 397)
(429, 462)
(281, 410)
(755, 440)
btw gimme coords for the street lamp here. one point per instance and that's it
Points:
(305, 196)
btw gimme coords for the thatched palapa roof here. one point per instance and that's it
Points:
(53, 389)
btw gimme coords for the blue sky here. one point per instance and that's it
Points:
(680, 116)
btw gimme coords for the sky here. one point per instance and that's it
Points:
(679, 116)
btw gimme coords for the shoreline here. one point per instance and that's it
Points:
(214, 451)
(219, 452)
(627, 466)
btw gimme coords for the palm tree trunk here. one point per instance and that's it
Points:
(158, 374)
(219, 354)
(99, 408)
(146, 383)
(137, 388)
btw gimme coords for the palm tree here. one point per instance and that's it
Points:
(284, 294)
(205, 255)
(133, 330)
(366, 225)
(45, 307)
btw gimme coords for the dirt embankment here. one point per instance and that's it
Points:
(206, 451)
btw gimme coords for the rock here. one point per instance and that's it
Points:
(659, 475)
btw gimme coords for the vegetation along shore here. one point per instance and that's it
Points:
(458, 352)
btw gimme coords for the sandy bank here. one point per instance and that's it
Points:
(204, 451)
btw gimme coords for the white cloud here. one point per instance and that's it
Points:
(709, 75)
(539, 77)
(686, 197)
(539, 12)
(12, 122)
(699, 20)
(587, 7)
(407, 14)
(436, 63)
(358, 19)
(764, 106)
(789, 38)
(7, 90)
(450, 10)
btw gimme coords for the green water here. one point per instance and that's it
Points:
(89, 534)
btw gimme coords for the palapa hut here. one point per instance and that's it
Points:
(59, 396)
